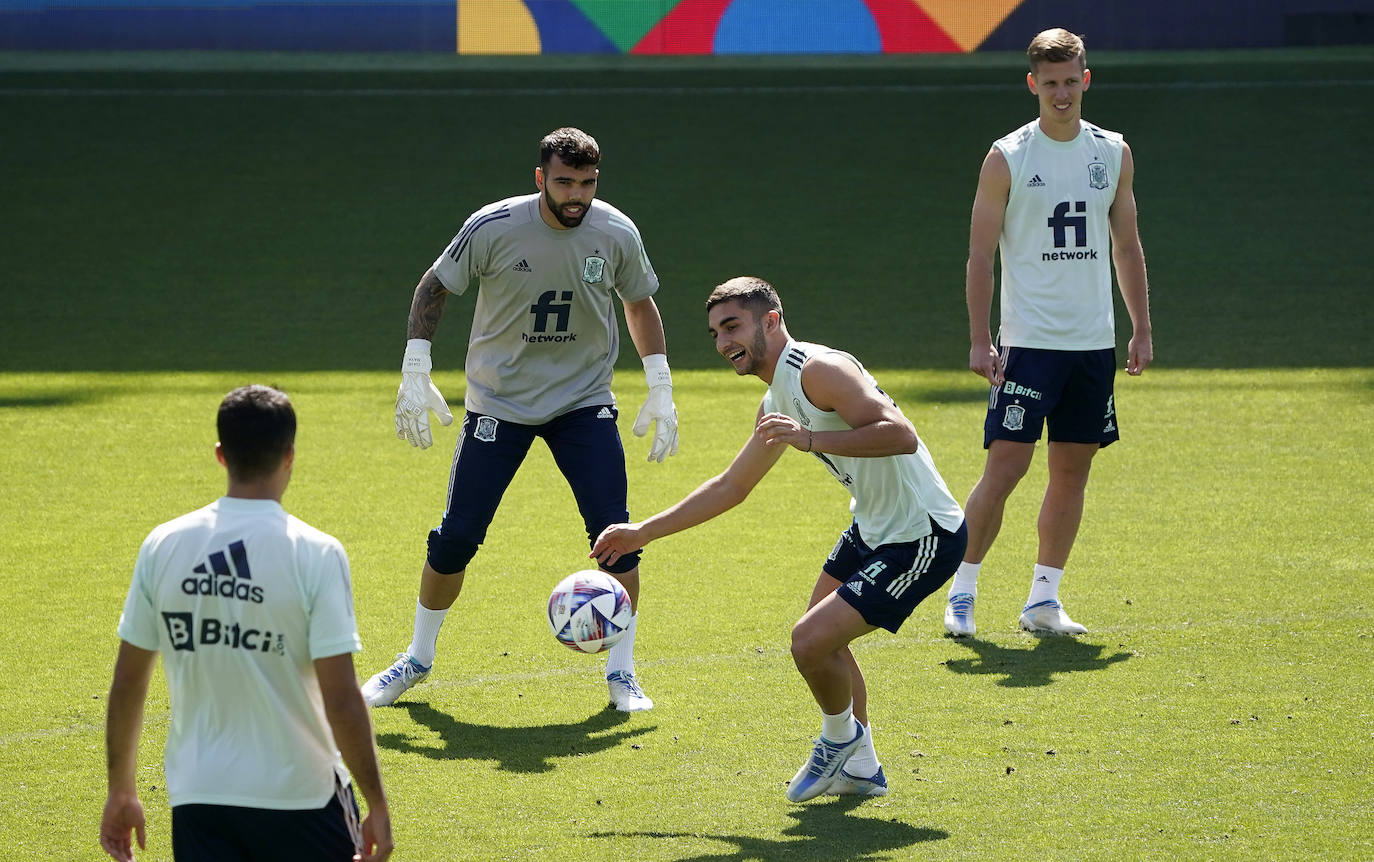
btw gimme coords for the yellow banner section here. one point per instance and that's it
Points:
(968, 23)
(496, 27)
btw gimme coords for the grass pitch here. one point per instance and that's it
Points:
(180, 228)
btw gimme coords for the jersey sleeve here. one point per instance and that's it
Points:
(333, 628)
(636, 278)
(138, 622)
(464, 258)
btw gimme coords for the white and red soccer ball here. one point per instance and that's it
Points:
(589, 611)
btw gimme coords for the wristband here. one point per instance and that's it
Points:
(656, 370)
(417, 356)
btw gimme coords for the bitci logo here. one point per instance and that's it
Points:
(184, 635)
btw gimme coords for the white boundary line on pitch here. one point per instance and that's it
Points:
(653, 91)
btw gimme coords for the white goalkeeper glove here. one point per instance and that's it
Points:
(417, 396)
(658, 409)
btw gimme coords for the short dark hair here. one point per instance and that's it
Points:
(1056, 46)
(749, 291)
(257, 427)
(575, 147)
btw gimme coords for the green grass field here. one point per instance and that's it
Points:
(175, 227)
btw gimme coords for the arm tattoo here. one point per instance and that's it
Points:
(427, 307)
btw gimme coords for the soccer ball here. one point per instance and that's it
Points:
(589, 611)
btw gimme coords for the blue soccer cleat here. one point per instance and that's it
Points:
(826, 760)
(626, 695)
(852, 785)
(385, 687)
(1049, 617)
(959, 615)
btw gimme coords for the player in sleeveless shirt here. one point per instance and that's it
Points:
(1056, 198)
(548, 269)
(906, 539)
(252, 612)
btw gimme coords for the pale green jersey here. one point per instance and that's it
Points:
(544, 334)
(1056, 239)
(241, 598)
(892, 498)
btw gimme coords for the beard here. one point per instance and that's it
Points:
(563, 218)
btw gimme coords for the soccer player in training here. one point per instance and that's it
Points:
(908, 532)
(548, 268)
(1056, 193)
(253, 614)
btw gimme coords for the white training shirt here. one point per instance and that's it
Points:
(892, 497)
(240, 598)
(1056, 240)
(544, 334)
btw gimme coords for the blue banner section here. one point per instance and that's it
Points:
(233, 26)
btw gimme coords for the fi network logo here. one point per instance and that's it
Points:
(214, 577)
(553, 305)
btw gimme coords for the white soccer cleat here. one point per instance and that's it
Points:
(959, 615)
(385, 687)
(626, 695)
(852, 785)
(1049, 617)
(820, 769)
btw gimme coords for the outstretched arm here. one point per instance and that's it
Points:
(714, 496)
(1129, 259)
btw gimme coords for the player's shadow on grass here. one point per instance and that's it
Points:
(824, 829)
(514, 749)
(1025, 668)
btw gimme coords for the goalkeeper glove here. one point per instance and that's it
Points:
(417, 396)
(658, 409)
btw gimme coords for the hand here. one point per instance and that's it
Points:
(123, 814)
(616, 541)
(984, 360)
(659, 410)
(417, 396)
(377, 844)
(775, 428)
(1139, 354)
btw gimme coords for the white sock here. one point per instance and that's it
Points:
(863, 763)
(965, 579)
(622, 655)
(1044, 585)
(426, 637)
(840, 727)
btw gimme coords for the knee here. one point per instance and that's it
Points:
(447, 553)
(805, 648)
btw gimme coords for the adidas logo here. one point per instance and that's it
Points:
(522, 266)
(1035, 183)
(605, 413)
(857, 587)
(1042, 580)
(220, 580)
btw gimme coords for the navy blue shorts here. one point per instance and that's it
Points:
(585, 444)
(221, 833)
(1072, 389)
(886, 583)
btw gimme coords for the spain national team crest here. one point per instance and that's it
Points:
(1015, 417)
(593, 270)
(486, 429)
(1097, 175)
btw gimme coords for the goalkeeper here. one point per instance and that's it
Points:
(547, 268)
